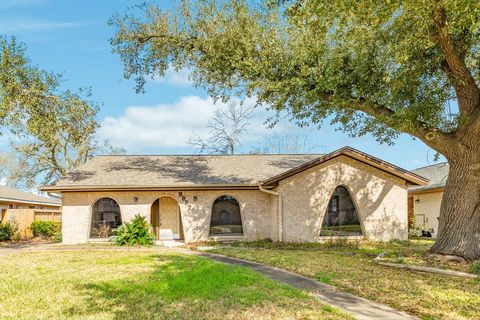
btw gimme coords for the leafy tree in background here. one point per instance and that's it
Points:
(370, 67)
(54, 131)
(24, 88)
(56, 142)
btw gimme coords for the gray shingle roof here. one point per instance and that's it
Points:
(180, 170)
(437, 174)
(11, 194)
(204, 171)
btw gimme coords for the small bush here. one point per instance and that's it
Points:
(135, 233)
(57, 237)
(7, 231)
(46, 229)
(476, 268)
(415, 232)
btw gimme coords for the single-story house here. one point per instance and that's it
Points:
(11, 198)
(424, 201)
(299, 198)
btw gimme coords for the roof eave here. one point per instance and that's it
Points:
(45, 203)
(426, 190)
(61, 189)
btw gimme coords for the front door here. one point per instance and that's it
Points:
(166, 220)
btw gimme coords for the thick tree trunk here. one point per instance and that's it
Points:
(459, 222)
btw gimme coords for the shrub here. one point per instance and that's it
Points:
(45, 228)
(135, 233)
(415, 232)
(476, 268)
(7, 231)
(57, 237)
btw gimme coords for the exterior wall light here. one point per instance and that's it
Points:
(135, 199)
(195, 198)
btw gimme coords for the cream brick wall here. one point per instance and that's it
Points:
(380, 198)
(255, 208)
(428, 204)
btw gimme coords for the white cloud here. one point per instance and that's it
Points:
(15, 3)
(164, 125)
(170, 125)
(20, 25)
(175, 78)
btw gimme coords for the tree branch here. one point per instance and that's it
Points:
(431, 136)
(183, 43)
(467, 90)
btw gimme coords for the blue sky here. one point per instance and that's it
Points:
(73, 37)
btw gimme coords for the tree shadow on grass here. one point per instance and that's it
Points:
(180, 287)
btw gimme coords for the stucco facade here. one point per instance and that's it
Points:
(425, 201)
(380, 199)
(426, 209)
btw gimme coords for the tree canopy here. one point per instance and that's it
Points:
(379, 67)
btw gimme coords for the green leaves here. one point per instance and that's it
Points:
(8, 231)
(135, 233)
(46, 229)
(54, 129)
(347, 61)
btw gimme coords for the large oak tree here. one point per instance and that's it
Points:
(377, 67)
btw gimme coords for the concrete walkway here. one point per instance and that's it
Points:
(21, 247)
(361, 308)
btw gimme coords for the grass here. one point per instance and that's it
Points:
(144, 284)
(351, 268)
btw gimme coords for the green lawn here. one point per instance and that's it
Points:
(351, 268)
(134, 284)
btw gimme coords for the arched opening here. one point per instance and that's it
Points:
(226, 219)
(341, 218)
(105, 218)
(166, 219)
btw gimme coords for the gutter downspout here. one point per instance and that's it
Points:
(279, 209)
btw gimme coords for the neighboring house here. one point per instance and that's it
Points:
(22, 208)
(11, 198)
(299, 198)
(424, 201)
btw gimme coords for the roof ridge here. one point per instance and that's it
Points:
(431, 165)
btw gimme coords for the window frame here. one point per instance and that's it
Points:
(92, 208)
(335, 196)
(240, 211)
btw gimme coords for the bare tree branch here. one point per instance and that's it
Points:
(227, 126)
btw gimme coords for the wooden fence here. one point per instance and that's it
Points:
(23, 218)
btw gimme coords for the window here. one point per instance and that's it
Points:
(105, 217)
(341, 217)
(31, 207)
(226, 218)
